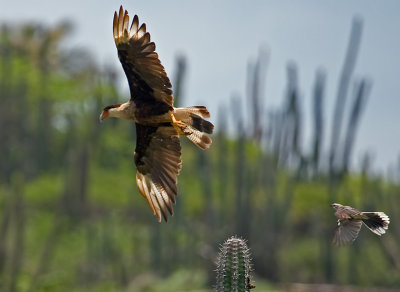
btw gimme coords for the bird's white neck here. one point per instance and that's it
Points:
(124, 111)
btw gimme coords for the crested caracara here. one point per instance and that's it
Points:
(158, 124)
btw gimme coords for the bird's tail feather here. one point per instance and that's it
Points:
(196, 126)
(377, 222)
(184, 112)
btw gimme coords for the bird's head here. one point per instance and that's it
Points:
(108, 111)
(335, 205)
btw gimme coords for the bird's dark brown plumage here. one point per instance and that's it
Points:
(158, 124)
(149, 84)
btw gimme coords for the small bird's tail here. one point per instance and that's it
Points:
(196, 126)
(377, 222)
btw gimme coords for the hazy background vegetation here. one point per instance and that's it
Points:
(72, 219)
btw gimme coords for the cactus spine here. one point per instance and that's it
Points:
(234, 267)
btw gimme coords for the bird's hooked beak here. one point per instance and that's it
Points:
(104, 115)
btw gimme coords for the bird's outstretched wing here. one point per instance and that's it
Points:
(158, 162)
(148, 82)
(346, 231)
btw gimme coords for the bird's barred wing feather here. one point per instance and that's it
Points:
(158, 163)
(346, 231)
(147, 78)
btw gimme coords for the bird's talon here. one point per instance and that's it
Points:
(179, 126)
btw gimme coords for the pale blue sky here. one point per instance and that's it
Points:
(219, 38)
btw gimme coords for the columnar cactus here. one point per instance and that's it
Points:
(234, 267)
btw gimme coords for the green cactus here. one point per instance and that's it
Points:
(234, 267)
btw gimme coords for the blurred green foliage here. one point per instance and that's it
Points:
(72, 219)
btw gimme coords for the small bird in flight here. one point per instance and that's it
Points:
(158, 124)
(350, 221)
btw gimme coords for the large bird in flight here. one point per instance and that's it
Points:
(350, 222)
(158, 124)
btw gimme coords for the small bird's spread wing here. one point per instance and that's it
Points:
(158, 162)
(148, 82)
(346, 231)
